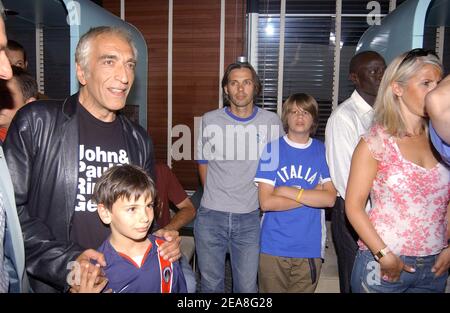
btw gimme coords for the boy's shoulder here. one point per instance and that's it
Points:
(318, 143)
(156, 240)
(105, 246)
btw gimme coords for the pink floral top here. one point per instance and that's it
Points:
(409, 202)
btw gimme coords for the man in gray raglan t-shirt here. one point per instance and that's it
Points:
(229, 145)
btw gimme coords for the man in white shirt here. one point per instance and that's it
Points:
(346, 124)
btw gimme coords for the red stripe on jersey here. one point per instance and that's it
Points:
(166, 271)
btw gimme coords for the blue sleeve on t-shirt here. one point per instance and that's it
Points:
(264, 172)
(441, 146)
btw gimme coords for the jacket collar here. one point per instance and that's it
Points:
(70, 104)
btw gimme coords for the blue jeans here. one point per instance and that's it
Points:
(366, 276)
(189, 275)
(217, 233)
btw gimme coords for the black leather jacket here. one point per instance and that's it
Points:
(42, 154)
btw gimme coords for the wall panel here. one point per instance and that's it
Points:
(196, 35)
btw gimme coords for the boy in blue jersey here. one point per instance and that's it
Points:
(292, 196)
(124, 197)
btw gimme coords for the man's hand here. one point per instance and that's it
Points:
(83, 264)
(88, 281)
(91, 254)
(442, 263)
(170, 250)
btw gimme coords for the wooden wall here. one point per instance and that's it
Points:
(196, 45)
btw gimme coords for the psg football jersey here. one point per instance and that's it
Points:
(153, 275)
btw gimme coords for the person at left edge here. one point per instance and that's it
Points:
(12, 255)
(56, 150)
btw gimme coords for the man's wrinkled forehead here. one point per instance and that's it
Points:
(111, 44)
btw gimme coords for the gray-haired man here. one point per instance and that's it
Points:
(56, 150)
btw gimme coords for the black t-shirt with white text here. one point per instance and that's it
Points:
(101, 146)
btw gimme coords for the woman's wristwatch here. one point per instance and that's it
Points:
(381, 253)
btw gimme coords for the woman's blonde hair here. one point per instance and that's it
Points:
(387, 105)
(305, 102)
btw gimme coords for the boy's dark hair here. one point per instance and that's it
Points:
(226, 77)
(123, 181)
(27, 83)
(15, 46)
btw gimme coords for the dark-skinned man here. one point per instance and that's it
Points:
(347, 123)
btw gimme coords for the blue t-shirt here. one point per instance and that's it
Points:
(124, 276)
(299, 232)
(441, 146)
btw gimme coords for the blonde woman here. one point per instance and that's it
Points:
(403, 239)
